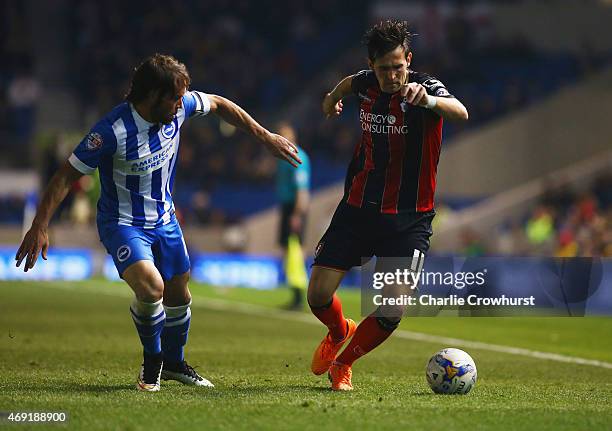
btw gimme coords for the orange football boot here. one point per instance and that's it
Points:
(340, 377)
(327, 350)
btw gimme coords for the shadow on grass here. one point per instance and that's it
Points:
(423, 394)
(286, 388)
(259, 390)
(95, 388)
(241, 389)
(65, 388)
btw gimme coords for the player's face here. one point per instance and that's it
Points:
(391, 69)
(167, 106)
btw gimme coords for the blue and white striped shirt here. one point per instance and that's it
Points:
(137, 163)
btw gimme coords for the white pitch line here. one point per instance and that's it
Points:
(223, 305)
(419, 336)
(241, 307)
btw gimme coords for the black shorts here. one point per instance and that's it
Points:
(285, 225)
(357, 233)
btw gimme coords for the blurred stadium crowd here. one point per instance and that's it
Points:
(565, 222)
(269, 59)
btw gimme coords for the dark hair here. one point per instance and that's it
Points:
(158, 72)
(385, 36)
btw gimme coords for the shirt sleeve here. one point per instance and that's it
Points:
(435, 87)
(196, 104)
(99, 142)
(362, 81)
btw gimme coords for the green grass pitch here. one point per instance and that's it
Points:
(72, 347)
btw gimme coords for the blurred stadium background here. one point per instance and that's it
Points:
(529, 175)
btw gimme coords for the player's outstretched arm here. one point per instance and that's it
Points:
(279, 146)
(37, 238)
(332, 102)
(448, 108)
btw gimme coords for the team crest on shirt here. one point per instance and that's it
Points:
(94, 141)
(169, 130)
(364, 97)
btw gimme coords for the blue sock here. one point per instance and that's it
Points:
(149, 319)
(174, 335)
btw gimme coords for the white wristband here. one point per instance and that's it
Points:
(431, 102)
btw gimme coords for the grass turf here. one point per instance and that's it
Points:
(72, 347)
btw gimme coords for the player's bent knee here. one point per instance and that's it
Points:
(155, 290)
(149, 290)
(180, 280)
(323, 283)
(319, 294)
(319, 299)
(145, 281)
(176, 290)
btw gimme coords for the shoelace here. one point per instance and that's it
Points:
(190, 371)
(345, 377)
(330, 345)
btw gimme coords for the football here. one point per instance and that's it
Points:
(451, 371)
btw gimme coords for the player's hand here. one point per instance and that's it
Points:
(35, 240)
(330, 107)
(414, 93)
(282, 148)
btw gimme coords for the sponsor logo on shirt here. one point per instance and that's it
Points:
(151, 162)
(379, 123)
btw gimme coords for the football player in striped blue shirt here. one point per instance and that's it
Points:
(135, 149)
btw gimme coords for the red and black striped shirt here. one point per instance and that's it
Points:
(394, 165)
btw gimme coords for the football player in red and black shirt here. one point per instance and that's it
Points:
(388, 201)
